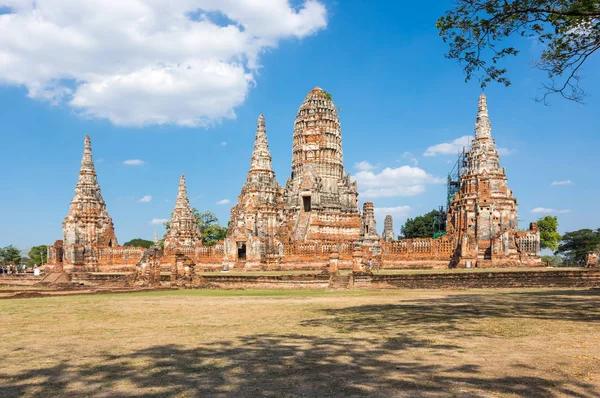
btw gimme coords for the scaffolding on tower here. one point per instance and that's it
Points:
(454, 176)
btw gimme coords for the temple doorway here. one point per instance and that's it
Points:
(306, 203)
(241, 251)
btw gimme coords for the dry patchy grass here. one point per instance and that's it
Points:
(281, 343)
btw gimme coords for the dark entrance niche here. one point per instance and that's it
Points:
(306, 203)
(487, 255)
(366, 229)
(241, 247)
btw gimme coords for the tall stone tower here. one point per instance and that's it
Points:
(368, 229)
(183, 231)
(88, 226)
(483, 214)
(321, 200)
(258, 213)
(388, 229)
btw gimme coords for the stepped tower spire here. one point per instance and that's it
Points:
(318, 170)
(483, 127)
(183, 231)
(88, 225)
(483, 209)
(320, 198)
(261, 162)
(388, 229)
(87, 188)
(255, 216)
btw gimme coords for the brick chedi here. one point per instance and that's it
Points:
(88, 227)
(257, 216)
(388, 229)
(321, 201)
(183, 230)
(483, 217)
(369, 238)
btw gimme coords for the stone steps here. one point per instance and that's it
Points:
(302, 226)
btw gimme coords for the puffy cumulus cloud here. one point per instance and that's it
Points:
(545, 210)
(401, 181)
(562, 182)
(140, 62)
(223, 202)
(449, 148)
(158, 221)
(364, 166)
(134, 162)
(223, 143)
(145, 199)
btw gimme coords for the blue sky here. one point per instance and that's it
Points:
(382, 62)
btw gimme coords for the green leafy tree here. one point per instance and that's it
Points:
(422, 226)
(552, 260)
(38, 255)
(208, 226)
(577, 244)
(139, 242)
(11, 255)
(549, 236)
(569, 30)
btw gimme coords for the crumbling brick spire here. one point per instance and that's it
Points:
(388, 229)
(182, 231)
(87, 188)
(261, 156)
(483, 127)
(88, 223)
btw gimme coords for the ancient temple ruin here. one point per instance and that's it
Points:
(258, 213)
(388, 229)
(89, 239)
(482, 216)
(312, 222)
(88, 226)
(182, 232)
(320, 198)
(316, 211)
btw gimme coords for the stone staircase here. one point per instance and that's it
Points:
(302, 224)
(341, 281)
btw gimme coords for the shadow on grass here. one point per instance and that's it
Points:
(453, 313)
(278, 366)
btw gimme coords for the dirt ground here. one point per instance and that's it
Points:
(308, 343)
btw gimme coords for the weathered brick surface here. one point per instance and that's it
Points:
(470, 280)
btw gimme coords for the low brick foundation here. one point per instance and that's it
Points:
(433, 280)
(471, 280)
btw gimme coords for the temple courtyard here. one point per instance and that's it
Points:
(309, 342)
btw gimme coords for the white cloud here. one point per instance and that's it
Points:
(449, 148)
(140, 62)
(146, 199)
(364, 166)
(158, 221)
(409, 156)
(546, 210)
(134, 162)
(563, 182)
(223, 143)
(223, 202)
(401, 181)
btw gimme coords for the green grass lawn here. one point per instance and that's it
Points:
(309, 343)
